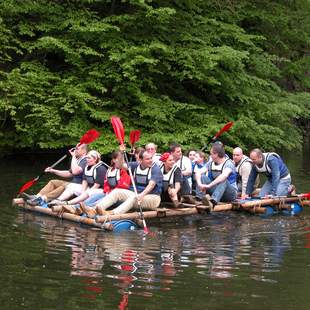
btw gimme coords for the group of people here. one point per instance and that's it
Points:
(149, 178)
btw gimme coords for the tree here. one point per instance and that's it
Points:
(177, 70)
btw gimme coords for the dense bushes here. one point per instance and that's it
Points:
(178, 70)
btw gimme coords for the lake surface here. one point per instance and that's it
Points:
(220, 261)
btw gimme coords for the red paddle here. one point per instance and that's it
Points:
(225, 128)
(307, 195)
(118, 129)
(134, 136)
(119, 133)
(90, 136)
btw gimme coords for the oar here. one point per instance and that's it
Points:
(32, 182)
(120, 133)
(90, 136)
(306, 196)
(225, 128)
(134, 137)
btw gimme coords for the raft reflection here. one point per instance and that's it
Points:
(217, 247)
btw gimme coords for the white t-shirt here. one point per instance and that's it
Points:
(184, 163)
(201, 168)
(156, 160)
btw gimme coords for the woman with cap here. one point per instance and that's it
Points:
(172, 180)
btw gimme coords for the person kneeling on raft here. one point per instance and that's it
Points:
(172, 180)
(148, 180)
(277, 173)
(220, 181)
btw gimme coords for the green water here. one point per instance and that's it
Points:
(221, 261)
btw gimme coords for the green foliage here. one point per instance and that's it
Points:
(177, 70)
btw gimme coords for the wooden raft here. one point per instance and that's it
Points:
(104, 222)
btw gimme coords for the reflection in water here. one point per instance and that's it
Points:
(217, 247)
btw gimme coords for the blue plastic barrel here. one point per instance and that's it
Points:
(269, 211)
(296, 208)
(124, 225)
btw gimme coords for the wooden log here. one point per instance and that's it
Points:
(183, 205)
(223, 207)
(67, 216)
(256, 210)
(161, 212)
(267, 201)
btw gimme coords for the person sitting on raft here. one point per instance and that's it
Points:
(172, 180)
(200, 165)
(137, 152)
(278, 176)
(185, 164)
(152, 149)
(54, 188)
(220, 181)
(243, 167)
(191, 155)
(148, 180)
(116, 177)
(93, 179)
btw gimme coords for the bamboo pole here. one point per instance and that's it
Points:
(161, 212)
(65, 215)
(268, 201)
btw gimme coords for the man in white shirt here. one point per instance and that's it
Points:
(185, 164)
(151, 148)
(243, 166)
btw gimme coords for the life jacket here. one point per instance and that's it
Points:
(142, 176)
(267, 170)
(216, 170)
(179, 164)
(80, 159)
(168, 178)
(113, 176)
(90, 174)
(79, 177)
(245, 159)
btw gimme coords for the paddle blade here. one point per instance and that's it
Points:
(134, 136)
(118, 128)
(145, 229)
(307, 196)
(224, 129)
(90, 136)
(27, 185)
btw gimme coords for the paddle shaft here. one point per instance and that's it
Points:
(52, 166)
(210, 141)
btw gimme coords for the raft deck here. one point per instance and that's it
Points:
(106, 222)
